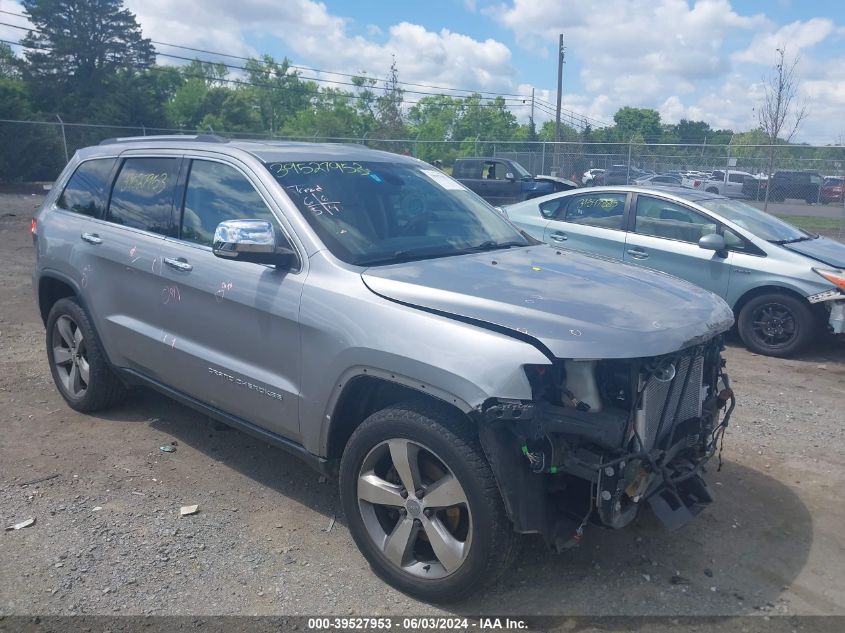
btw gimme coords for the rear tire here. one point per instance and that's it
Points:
(78, 364)
(474, 536)
(776, 324)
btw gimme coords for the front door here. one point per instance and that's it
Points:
(665, 237)
(231, 327)
(591, 223)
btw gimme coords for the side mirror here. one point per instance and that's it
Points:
(510, 176)
(714, 242)
(252, 241)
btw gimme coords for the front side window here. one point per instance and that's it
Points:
(142, 197)
(661, 218)
(371, 213)
(603, 210)
(216, 192)
(495, 171)
(87, 190)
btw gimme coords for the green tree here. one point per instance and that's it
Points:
(75, 52)
(629, 121)
(278, 91)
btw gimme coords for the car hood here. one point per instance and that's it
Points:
(554, 179)
(574, 305)
(822, 249)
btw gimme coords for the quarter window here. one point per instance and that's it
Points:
(661, 218)
(604, 210)
(142, 197)
(218, 192)
(87, 189)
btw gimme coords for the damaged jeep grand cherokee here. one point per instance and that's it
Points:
(370, 314)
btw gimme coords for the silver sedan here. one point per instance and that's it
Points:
(784, 284)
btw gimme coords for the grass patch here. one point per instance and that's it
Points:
(810, 223)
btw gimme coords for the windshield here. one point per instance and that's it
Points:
(372, 213)
(757, 222)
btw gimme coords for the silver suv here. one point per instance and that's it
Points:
(369, 314)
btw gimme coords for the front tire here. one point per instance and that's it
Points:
(422, 503)
(79, 367)
(776, 325)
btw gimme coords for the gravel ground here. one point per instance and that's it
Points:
(269, 537)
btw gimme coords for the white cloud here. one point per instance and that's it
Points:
(795, 37)
(694, 60)
(324, 40)
(9, 33)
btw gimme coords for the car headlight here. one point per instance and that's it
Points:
(836, 277)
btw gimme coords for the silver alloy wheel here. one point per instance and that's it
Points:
(70, 356)
(414, 509)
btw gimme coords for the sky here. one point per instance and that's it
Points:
(693, 59)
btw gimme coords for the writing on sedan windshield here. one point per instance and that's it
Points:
(280, 170)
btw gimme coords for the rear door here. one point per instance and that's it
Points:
(468, 172)
(664, 236)
(590, 222)
(124, 283)
(232, 328)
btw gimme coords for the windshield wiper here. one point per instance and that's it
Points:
(400, 256)
(803, 238)
(491, 245)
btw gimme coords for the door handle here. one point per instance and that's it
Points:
(557, 236)
(179, 263)
(92, 238)
(637, 253)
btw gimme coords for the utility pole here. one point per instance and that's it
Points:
(532, 107)
(560, 57)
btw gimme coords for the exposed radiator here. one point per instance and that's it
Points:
(671, 400)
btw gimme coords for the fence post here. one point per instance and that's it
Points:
(628, 175)
(416, 148)
(476, 145)
(543, 166)
(64, 138)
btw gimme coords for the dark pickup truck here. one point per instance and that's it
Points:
(801, 185)
(503, 181)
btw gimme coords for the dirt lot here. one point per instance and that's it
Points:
(108, 537)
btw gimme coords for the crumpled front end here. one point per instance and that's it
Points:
(602, 437)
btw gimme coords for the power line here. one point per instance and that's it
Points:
(526, 98)
(241, 82)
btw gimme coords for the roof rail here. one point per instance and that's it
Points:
(200, 138)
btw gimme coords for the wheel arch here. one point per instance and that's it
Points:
(763, 290)
(51, 288)
(368, 390)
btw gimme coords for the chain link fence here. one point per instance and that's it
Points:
(789, 180)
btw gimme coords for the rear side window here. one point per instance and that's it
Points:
(142, 197)
(467, 169)
(603, 210)
(218, 192)
(87, 190)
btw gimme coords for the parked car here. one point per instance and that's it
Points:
(621, 175)
(784, 284)
(504, 181)
(590, 176)
(368, 313)
(658, 180)
(832, 190)
(729, 184)
(801, 185)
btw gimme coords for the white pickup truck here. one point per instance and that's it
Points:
(727, 185)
